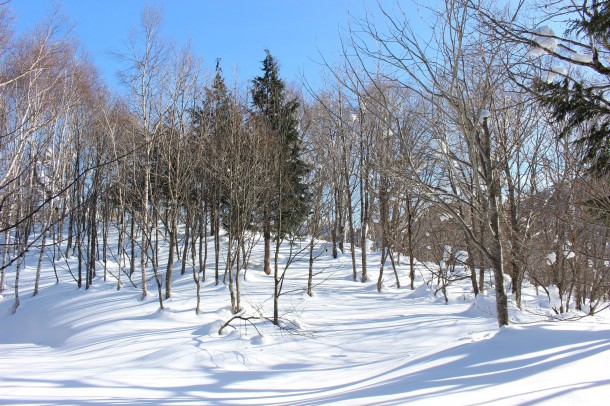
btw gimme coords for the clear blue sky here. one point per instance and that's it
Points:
(295, 31)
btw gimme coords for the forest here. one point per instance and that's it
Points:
(482, 145)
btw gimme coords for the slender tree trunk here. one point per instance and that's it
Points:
(16, 292)
(410, 247)
(230, 271)
(310, 273)
(237, 270)
(105, 225)
(267, 241)
(170, 259)
(335, 229)
(202, 236)
(155, 255)
(352, 245)
(79, 246)
(276, 284)
(203, 232)
(40, 258)
(93, 233)
(145, 239)
(394, 268)
(216, 222)
(383, 259)
(472, 265)
(70, 232)
(364, 207)
(5, 254)
(43, 244)
(187, 234)
(196, 272)
(494, 199)
(120, 244)
(56, 249)
(483, 262)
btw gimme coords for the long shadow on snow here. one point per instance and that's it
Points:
(473, 366)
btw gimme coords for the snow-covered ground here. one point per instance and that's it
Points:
(348, 344)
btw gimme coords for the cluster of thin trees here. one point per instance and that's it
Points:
(164, 167)
(453, 150)
(484, 144)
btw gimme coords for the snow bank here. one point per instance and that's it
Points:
(350, 345)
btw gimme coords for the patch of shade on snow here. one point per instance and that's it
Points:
(261, 340)
(347, 345)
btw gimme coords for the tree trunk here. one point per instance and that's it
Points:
(17, 272)
(383, 259)
(410, 248)
(173, 230)
(267, 239)
(394, 268)
(493, 203)
(40, 258)
(196, 273)
(120, 244)
(187, 235)
(310, 273)
(216, 222)
(145, 239)
(352, 245)
(5, 255)
(132, 231)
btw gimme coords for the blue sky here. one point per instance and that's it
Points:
(295, 31)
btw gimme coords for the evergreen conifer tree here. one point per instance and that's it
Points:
(287, 203)
(578, 102)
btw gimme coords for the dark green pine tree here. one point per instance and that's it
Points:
(585, 102)
(213, 121)
(287, 204)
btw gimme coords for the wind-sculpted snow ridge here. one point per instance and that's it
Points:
(347, 344)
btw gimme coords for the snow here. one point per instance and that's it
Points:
(556, 72)
(347, 344)
(568, 254)
(549, 77)
(559, 70)
(461, 256)
(445, 217)
(484, 114)
(567, 251)
(447, 249)
(542, 36)
(578, 57)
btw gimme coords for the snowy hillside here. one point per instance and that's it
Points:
(348, 344)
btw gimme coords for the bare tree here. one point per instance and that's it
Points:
(144, 56)
(457, 80)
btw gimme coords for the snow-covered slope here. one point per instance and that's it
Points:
(348, 344)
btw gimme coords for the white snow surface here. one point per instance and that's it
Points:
(348, 344)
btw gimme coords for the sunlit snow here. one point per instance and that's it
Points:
(347, 344)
